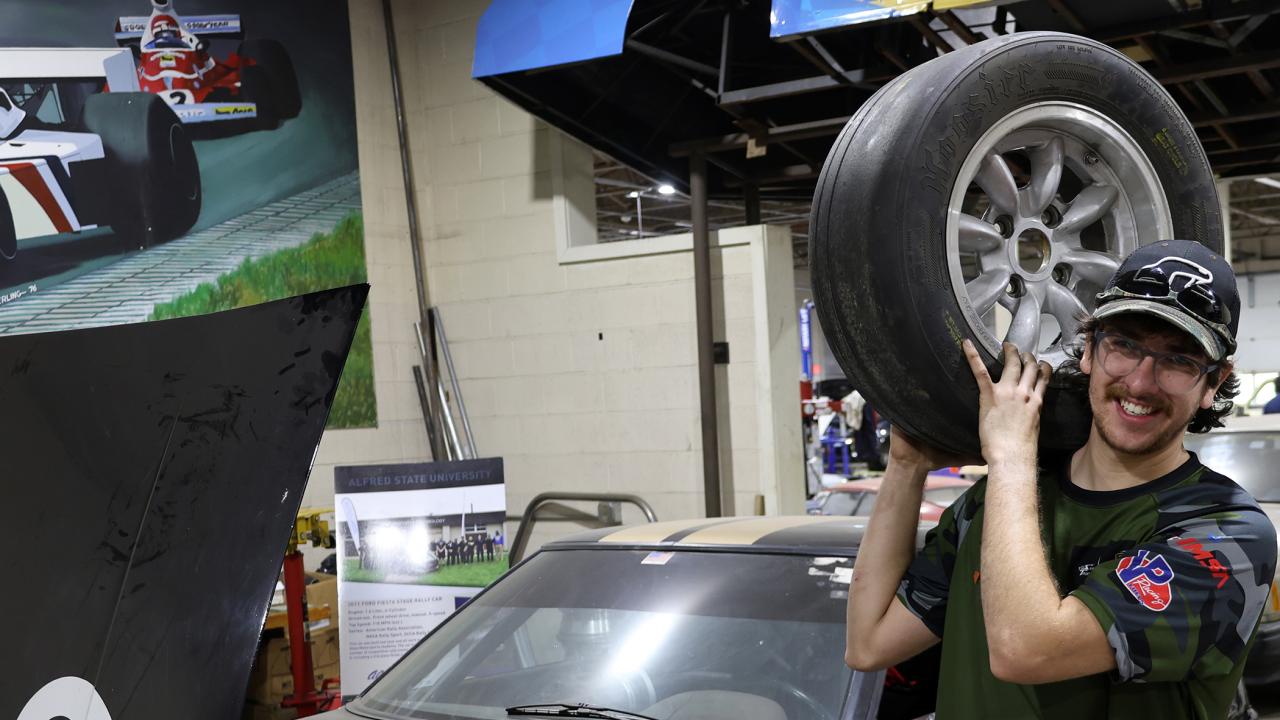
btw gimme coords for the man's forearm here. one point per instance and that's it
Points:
(885, 552)
(1020, 600)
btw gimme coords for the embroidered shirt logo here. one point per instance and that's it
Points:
(1147, 577)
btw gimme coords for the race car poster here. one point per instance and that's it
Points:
(415, 542)
(165, 158)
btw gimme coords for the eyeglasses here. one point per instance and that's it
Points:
(1154, 283)
(1175, 373)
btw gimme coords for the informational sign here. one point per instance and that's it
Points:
(415, 542)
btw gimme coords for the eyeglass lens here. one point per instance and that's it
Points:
(1175, 373)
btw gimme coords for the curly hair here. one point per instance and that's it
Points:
(1071, 376)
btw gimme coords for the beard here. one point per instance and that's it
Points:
(1171, 433)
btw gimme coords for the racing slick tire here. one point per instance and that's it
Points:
(8, 232)
(155, 189)
(270, 82)
(994, 187)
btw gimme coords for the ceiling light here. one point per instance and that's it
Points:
(666, 190)
(633, 194)
(1269, 182)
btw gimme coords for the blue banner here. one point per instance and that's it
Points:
(806, 339)
(516, 35)
(792, 17)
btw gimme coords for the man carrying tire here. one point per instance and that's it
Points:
(1123, 580)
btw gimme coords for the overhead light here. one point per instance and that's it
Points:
(665, 189)
(1269, 182)
(633, 194)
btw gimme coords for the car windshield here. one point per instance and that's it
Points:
(1250, 458)
(728, 635)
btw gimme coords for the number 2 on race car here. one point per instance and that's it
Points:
(179, 97)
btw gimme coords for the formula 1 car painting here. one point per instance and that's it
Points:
(254, 87)
(73, 158)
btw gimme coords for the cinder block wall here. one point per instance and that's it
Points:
(583, 376)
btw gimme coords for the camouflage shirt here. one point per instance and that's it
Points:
(1176, 571)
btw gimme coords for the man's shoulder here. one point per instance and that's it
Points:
(1210, 494)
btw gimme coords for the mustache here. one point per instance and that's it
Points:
(1117, 391)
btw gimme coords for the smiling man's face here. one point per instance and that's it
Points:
(1133, 414)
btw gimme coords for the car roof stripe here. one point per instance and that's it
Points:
(666, 531)
(748, 531)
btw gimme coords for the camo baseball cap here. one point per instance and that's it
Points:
(1183, 283)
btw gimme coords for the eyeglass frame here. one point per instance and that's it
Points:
(1100, 335)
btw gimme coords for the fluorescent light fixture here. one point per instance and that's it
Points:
(633, 194)
(665, 189)
(1269, 182)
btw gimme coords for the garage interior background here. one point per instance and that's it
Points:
(577, 358)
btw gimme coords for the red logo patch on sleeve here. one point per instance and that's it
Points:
(1147, 576)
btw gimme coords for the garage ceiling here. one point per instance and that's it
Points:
(705, 75)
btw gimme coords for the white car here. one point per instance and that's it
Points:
(1247, 450)
(81, 148)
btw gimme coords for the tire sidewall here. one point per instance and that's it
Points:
(155, 188)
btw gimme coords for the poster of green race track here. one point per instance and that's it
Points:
(167, 158)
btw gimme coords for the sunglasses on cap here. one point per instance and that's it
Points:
(1195, 298)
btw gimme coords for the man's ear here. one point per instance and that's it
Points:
(1211, 389)
(1086, 359)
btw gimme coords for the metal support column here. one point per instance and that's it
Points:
(702, 303)
(430, 411)
(751, 202)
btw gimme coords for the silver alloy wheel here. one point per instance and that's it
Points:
(1044, 206)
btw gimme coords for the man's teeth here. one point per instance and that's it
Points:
(1134, 408)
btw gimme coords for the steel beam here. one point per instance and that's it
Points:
(857, 78)
(1260, 111)
(922, 26)
(674, 59)
(782, 133)
(1219, 67)
(957, 26)
(1194, 18)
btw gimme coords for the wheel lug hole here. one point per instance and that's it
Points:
(1004, 224)
(1061, 274)
(1017, 287)
(1051, 216)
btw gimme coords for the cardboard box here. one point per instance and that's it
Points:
(323, 593)
(271, 679)
(258, 711)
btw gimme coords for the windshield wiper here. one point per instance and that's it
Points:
(580, 710)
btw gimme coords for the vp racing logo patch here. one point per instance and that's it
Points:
(1147, 576)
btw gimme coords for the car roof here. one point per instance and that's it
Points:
(872, 484)
(793, 534)
(1250, 423)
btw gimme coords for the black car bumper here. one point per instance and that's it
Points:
(1263, 666)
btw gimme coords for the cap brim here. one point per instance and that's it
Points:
(1207, 339)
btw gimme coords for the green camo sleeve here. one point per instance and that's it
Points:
(926, 585)
(1186, 603)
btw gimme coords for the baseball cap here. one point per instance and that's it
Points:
(1184, 283)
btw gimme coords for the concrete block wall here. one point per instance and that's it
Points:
(582, 376)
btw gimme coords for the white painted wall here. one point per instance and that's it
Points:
(1259, 333)
(577, 362)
